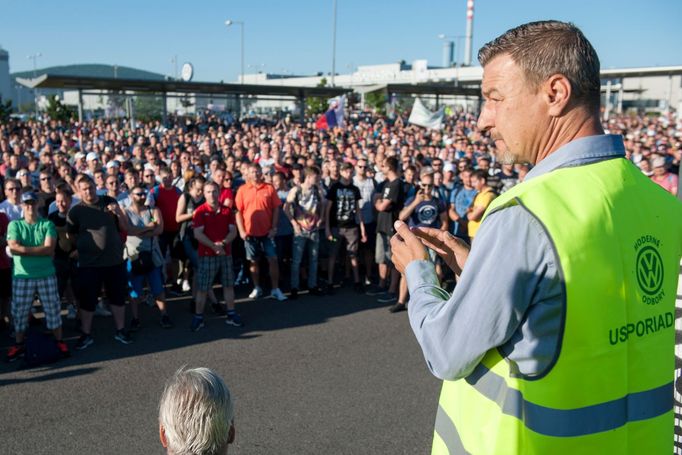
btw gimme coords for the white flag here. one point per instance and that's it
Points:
(423, 117)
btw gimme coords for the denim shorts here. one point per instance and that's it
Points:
(256, 245)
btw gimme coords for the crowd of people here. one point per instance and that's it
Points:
(101, 217)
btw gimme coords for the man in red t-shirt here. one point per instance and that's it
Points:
(257, 216)
(166, 197)
(214, 229)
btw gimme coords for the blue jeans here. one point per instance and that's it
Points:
(191, 252)
(301, 241)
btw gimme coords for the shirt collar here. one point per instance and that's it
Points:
(579, 152)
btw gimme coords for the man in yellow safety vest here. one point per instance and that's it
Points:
(559, 336)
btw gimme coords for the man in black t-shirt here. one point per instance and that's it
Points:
(95, 225)
(388, 206)
(343, 222)
(65, 253)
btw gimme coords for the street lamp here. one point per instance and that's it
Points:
(334, 45)
(35, 57)
(230, 23)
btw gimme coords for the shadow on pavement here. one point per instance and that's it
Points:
(260, 316)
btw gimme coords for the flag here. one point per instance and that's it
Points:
(334, 115)
(421, 116)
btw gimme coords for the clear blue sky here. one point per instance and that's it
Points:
(295, 36)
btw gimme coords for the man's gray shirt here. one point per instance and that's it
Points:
(510, 295)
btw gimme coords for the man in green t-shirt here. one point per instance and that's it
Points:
(31, 242)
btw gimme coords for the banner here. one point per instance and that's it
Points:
(423, 117)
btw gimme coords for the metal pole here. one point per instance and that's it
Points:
(165, 109)
(242, 52)
(80, 106)
(607, 103)
(334, 45)
(620, 97)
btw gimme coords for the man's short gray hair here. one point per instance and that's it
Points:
(545, 48)
(196, 412)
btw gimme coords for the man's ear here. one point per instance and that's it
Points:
(230, 438)
(557, 92)
(162, 437)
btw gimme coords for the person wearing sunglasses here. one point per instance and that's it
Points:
(11, 205)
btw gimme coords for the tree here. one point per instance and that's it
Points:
(316, 105)
(148, 108)
(5, 109)
(56, 110)
(376, 100)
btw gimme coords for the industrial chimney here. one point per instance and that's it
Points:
(470, 33)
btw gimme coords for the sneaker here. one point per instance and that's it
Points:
(15, 352)
(185, 286)
(358, 288)
(233, 318)
(277, 294)
(219, 309)
(71, 312)
(83, 342)
(123, 337)
(368, 282)
(101, 310)
(197, 323)
(166, 322)
(375, 290)
(256, 293)
(316, 291)
(293, 295)
(398, 307)
(63, 348)
(134, 325)
(387, 297)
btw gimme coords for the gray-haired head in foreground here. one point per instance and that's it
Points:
(545, 48)
(196, 412)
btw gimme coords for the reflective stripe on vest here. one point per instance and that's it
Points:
(572, 422)
(609, 389)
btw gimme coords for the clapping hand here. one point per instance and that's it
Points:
(453, 250)
(406, 247)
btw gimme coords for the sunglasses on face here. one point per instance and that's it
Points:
(14, 188)
(139, 194)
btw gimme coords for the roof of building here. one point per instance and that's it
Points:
(174, 86)
(93, 70)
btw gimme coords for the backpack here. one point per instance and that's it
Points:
(41, 349)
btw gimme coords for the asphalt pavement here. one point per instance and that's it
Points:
(319, 375)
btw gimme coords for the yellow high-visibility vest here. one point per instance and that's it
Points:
(609, 389)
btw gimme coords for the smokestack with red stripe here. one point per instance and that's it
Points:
(470, 33)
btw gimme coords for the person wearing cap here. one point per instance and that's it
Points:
(666, 180)
(113, 167)
(31, 242)
(92, 161)
(559, 336)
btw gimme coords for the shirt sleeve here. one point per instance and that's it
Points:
(197, 218)
(51, 230)
(12, 231)
(239, 199)
(501, 278)
(393, 193)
